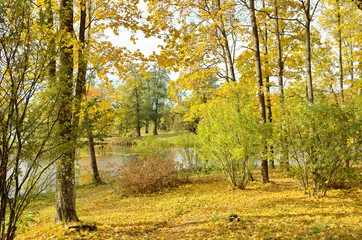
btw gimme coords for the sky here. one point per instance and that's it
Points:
(146, 45)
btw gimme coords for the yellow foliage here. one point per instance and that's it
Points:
(200, 211)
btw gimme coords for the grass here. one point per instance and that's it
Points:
(149, 136)
(200, 210)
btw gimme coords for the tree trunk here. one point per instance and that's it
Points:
(269, 113)
(280, 54)
(52, 45)
(283, 148)
(80, 90)
(155, 132)
(259, 76)
(147, 125)
(308, 52)
(65, 191)
(82, 62)
(92, 154)
(340, 54)
(138, 114)
(138, 128)
(229, 59)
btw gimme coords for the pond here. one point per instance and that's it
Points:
(110, 157)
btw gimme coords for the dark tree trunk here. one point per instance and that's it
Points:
(82, 62)
(138, 127)
(138, 113)
(259, 76)
(308, 51)
(147, 125)
(227, 50)
(155, 132)
(340, 54)
(280, 52)
(65, 191)
(269, 107)
(80, 90)
(269, 112)
(283, 148)
(92, 153)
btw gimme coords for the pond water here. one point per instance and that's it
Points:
(109, 158)
(107, 155)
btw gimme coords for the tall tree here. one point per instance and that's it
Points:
(156, 93)
(186, 49)
(341, 21)
(280, 73)
(65, 184)
(131, 99)
(309, 10)
(264, 29)
(98, 116)
(340, 56)
(280, 65)
(80, 87)
(27, 115)
(260, 83)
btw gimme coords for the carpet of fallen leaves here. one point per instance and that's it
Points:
(200, 210)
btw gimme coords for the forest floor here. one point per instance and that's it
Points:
(201, 209)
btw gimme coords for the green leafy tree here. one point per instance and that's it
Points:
(131, 100)
(28, 113)
(231, 136)
(97, 121)
(155, 95)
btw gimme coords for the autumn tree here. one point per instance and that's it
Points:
(186, 50)
(250, 5)
(28, 112)
(65, 190)
(201, 63)
(320, 154)
(342, 26)
(309, 9)
(98, 116)
(92, 50)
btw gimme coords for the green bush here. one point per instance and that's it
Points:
(323, 142)
(232, 137)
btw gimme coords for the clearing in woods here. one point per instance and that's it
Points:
(201, 210)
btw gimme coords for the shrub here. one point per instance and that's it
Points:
(231, 137)
(149, 174)
(323, 141)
